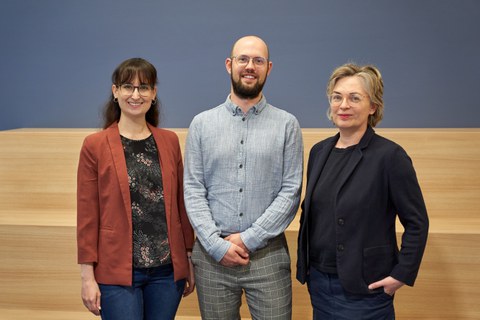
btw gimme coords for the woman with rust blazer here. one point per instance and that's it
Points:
(133, 234)
(358, 183)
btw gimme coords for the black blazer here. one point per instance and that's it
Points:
(378, 184)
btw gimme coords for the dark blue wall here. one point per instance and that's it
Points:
(57, 56)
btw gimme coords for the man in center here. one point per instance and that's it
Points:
(243, 178)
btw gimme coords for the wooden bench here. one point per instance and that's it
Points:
(39, 277)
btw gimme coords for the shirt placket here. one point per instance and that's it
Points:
(241, 172)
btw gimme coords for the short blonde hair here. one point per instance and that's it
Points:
(372, 82)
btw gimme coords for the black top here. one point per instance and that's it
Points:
(322, 207)
(150, 240)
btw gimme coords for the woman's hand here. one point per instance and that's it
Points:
(90, 290)
(190, 284)
(389, 284)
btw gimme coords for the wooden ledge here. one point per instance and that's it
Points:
(38, 173)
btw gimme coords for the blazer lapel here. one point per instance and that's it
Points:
(319, 162)
(356, 156)
(351, 165)
(118, 156)
(163, 152)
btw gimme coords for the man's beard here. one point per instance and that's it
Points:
(244, 92)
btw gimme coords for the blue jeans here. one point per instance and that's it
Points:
(330, 301)
(153, 296)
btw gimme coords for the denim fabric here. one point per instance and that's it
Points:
(153, 296)
(331, 302)
(243, 174)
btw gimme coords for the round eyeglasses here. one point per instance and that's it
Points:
(128, 89)
(243, 60)
(336, 99)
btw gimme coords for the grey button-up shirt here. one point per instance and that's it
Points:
(243, 174)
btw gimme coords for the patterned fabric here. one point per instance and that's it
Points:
(266, 281)
(150, 240)
(243, 174)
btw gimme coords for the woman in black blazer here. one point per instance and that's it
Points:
(357, 184)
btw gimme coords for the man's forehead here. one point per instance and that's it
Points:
(249, 43)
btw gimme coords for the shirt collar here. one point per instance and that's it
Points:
(235, 110)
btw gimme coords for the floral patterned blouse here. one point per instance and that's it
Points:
(150, 241)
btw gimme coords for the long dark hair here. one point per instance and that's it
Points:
(125, 73)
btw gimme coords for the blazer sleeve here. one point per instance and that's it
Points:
(407, 198)
(87, 205)
(186, 226)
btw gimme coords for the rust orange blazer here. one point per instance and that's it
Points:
(104, 213)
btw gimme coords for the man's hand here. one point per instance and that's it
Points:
(235, 256)
(389, 284)
(235, 238)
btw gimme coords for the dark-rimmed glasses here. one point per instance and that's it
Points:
(128, 89)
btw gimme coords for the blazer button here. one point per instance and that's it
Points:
(340, 222)
(340, 247)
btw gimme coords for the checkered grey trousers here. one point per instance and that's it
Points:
(266, 281)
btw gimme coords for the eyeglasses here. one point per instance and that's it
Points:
(336, 99)
(244, 60)
(129, 89)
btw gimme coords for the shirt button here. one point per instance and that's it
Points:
(241, 214)
(241, 190)
(243, 119)
(340, 247)
(341, 222)
(241, 142)
(240, 166)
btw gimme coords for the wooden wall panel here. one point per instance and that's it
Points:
(39, 277)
